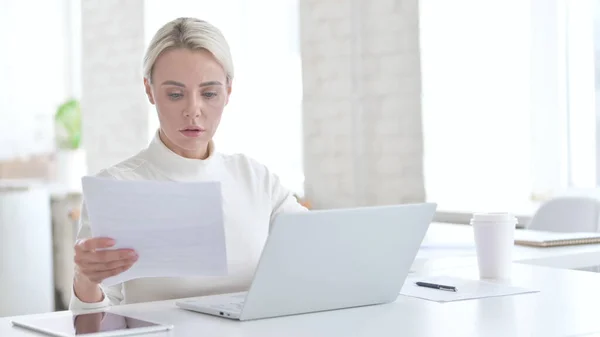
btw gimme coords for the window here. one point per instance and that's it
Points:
(581, 21)
(27, 113)
(263, 118)
(476, 104)
(509, 108)
(566, 151)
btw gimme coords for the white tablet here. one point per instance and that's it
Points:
(96, 324)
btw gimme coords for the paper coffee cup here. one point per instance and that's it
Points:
(494, 242)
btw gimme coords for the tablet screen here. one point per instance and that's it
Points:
(87, 324)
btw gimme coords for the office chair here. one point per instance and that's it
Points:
(567, 214)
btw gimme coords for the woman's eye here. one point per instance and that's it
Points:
(209, 94)
(175, 96)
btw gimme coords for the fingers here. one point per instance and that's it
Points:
(98, 277)
(92, 244)
(100, 267)
(83, 258)
(86, 251)
(107, 256)
(96, 263)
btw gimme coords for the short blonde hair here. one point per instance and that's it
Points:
(193, 34)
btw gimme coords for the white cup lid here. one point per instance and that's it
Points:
(493, 217)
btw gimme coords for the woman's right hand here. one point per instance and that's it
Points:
(96, 265)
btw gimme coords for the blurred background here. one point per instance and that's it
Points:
(477, 105)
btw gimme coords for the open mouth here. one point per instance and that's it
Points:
(193, 128)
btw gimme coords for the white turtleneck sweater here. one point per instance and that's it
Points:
(252, 196)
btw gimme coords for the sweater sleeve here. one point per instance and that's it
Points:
(282, 199)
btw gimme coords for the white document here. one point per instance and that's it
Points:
(465, 289)
(176, 228)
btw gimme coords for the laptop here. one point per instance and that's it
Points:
(326, 260)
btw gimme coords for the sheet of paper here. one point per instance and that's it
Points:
(176, 228)
(466, 289)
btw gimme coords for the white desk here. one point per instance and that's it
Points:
(448, 246)
(566, 306)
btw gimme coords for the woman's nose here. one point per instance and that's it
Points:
(192, 113)
(193, 109)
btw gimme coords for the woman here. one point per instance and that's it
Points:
(188, 74)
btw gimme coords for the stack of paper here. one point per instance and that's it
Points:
(176, 228)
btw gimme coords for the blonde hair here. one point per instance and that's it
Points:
(193, 34)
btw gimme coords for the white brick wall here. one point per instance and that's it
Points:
(115, 109)
(362, 109)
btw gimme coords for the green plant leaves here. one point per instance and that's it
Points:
(68, 125)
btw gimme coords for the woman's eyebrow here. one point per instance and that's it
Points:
(175, 83)
(179, 84)
(205, 84)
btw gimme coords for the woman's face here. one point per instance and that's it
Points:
(189, 90)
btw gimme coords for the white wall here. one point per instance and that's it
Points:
(34, 75)
(362, 108)
(115, 108)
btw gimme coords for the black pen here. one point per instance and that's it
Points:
(436, 286)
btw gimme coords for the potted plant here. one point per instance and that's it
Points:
(70, 157)
(68, 125)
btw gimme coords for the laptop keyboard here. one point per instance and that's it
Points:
(234, 307)
(233, 303)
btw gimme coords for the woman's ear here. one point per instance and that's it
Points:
(229, 85)
(148, 90)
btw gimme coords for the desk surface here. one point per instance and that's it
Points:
(566, 306)
(448, 246)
